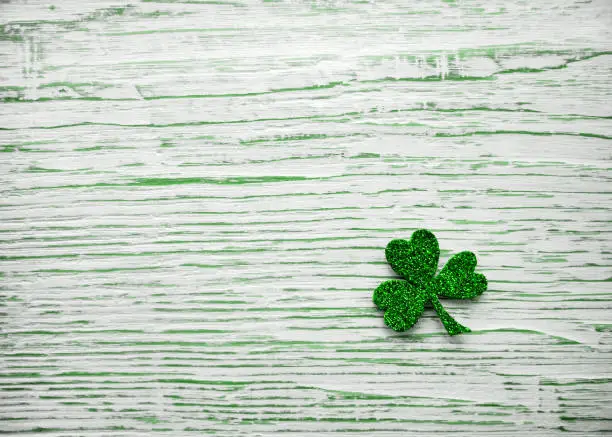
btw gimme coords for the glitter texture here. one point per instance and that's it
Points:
(417, 261)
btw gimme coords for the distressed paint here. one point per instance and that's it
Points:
(196, 197)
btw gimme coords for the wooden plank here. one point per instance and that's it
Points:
(196, 197)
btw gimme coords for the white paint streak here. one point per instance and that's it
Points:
(158, 276)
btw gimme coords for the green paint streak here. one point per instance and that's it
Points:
(365, 156)
(8, 88)
(184, 124)
(436, 78)
(240, 180)
(592, 381)
(34, 169)
(73, 85)
(100, 331)
(560, 340)
(97, 374)
(109, 270)
(149, 419)
(66, 98)
(216, 382)
(96, 148)
(226, 181)
(20, 375)
(252, 94)
(196, 331)
(477, 222)
(532, 70)
(21, 257)
(11, 34)
(162, 31)
(305, 137)
(522, 132)
(198, 2)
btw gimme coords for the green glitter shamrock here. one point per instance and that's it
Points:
(417, 261)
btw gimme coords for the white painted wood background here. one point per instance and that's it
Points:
(196, 197)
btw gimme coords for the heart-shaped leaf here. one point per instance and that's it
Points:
(457, 279)
(402, 302)
(417, 259)
(389, 293)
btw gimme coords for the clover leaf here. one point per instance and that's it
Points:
(404, 301)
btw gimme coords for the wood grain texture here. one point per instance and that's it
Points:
(196, 197)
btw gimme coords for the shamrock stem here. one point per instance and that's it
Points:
(452, 326)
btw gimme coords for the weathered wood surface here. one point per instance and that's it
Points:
(196, 196)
